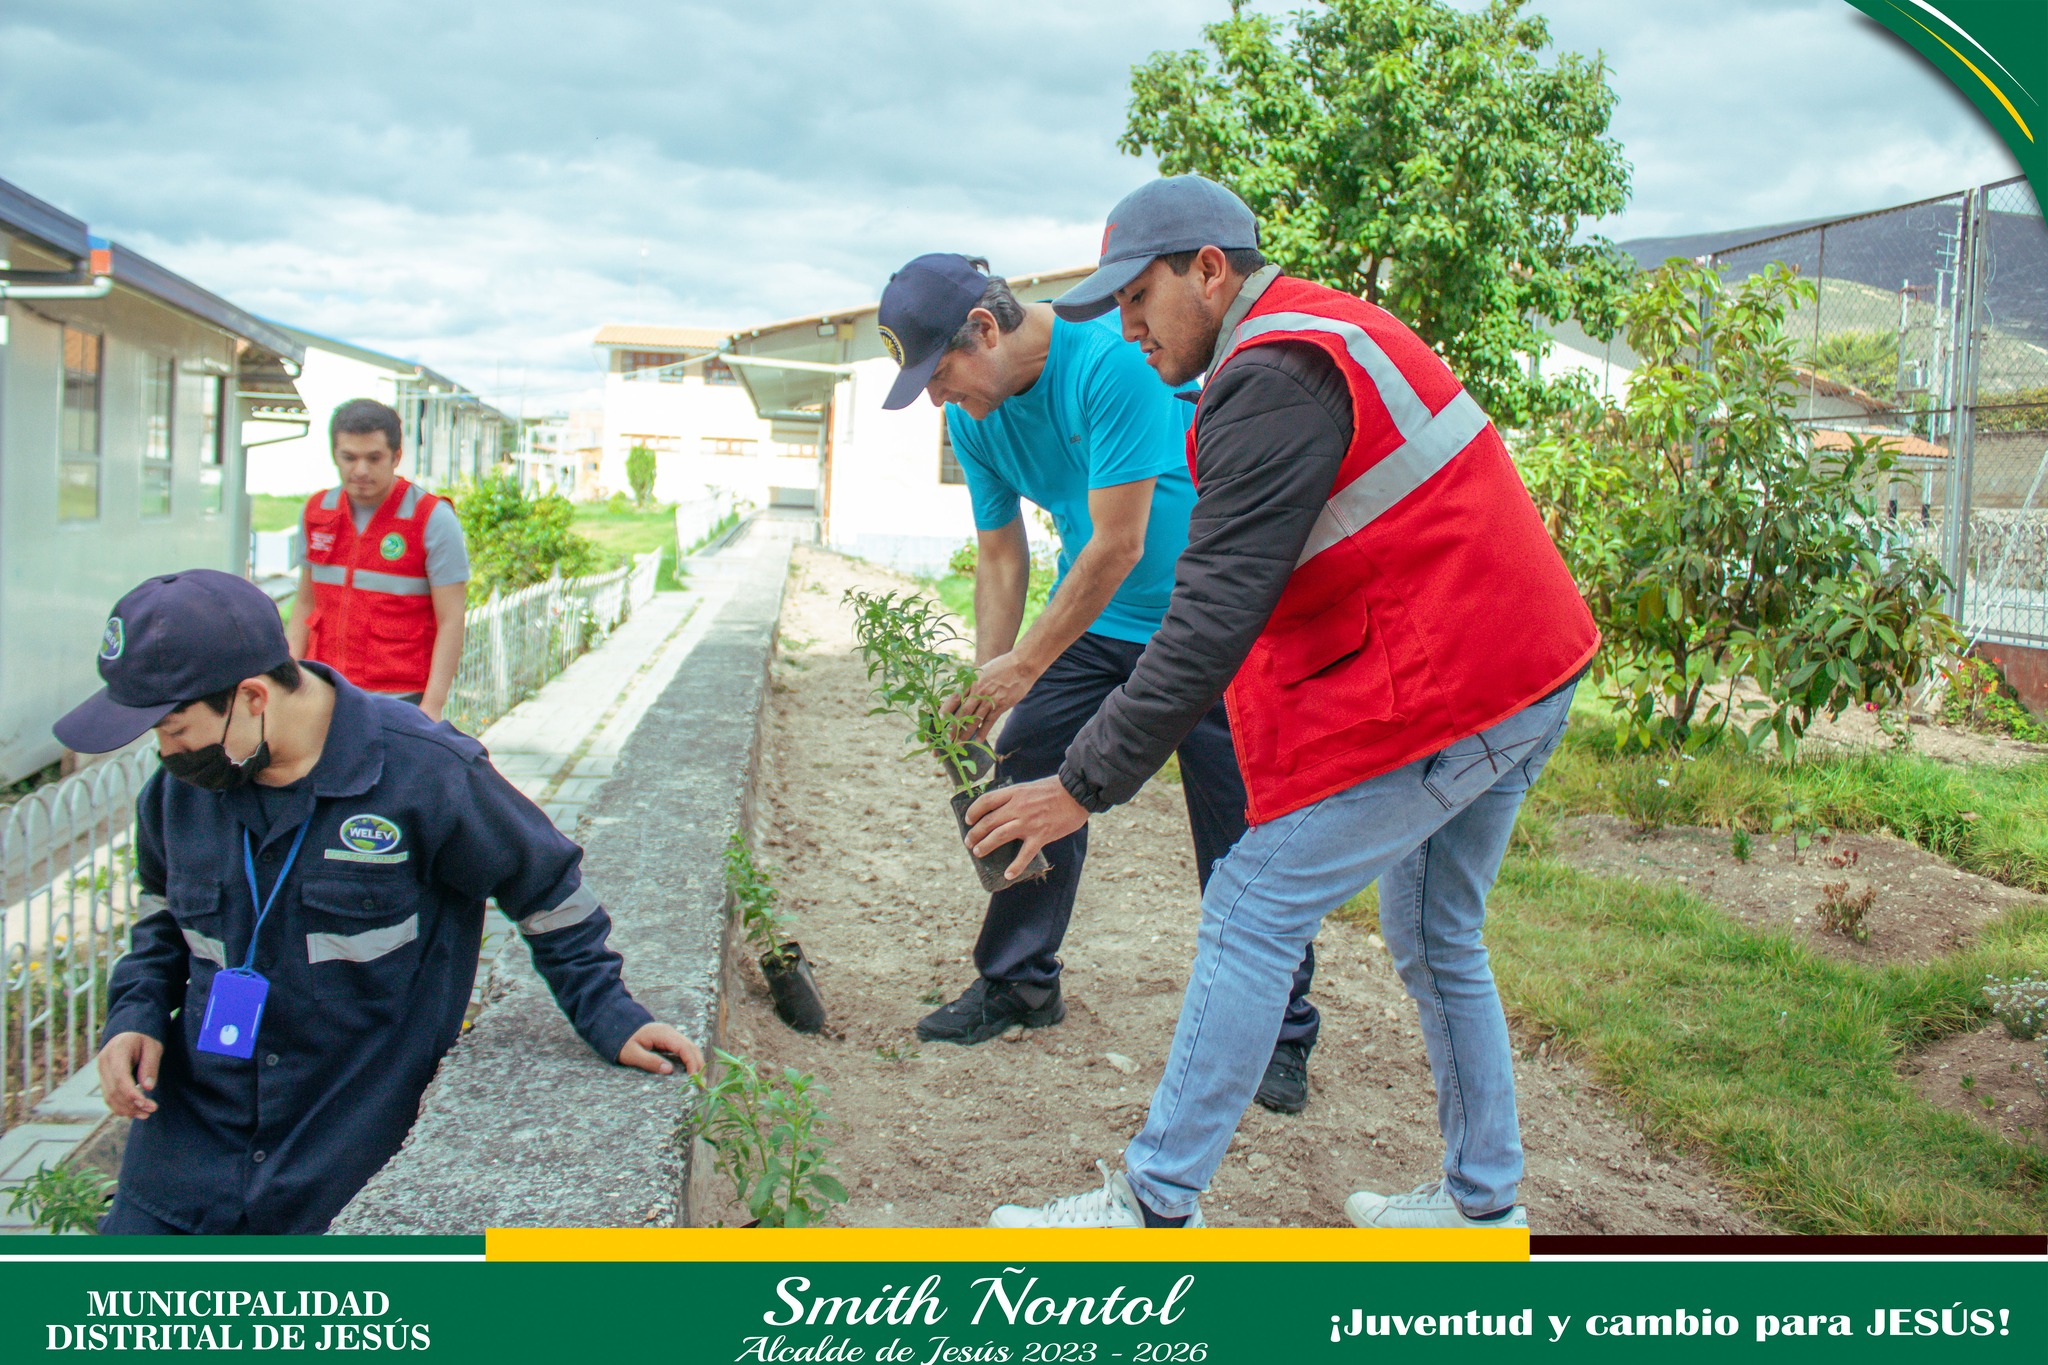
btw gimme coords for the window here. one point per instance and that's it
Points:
(727, 445)
(647, 366)
(718, 372)
(205, 392)
(949, 468)
(159, 375)
(78, 455)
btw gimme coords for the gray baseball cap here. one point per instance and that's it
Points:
(1177, 213)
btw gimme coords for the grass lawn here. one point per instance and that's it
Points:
(956, 590)
(624, 532)
(269, 512)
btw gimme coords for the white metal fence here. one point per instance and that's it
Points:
(67, 883)
(517, 641)
(67, 861)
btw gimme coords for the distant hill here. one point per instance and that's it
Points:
(1886, 250)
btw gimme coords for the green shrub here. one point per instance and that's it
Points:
(64, 1198)
(1713, 545)
(640, 473)
(767, 1133)
(516, 540)
(1979, 698)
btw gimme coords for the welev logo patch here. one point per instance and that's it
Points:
(369, 839)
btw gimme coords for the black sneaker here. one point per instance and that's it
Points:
(986, 1009)
(1284, 1088)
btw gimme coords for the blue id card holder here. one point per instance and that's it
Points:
(234, 1007)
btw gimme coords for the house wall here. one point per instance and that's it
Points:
(887, 504)
(58, 580)
(680, 420)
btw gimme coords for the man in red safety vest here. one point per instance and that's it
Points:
(385, 583)
(1371, 589)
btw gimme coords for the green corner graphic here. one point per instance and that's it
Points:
(1996, 53)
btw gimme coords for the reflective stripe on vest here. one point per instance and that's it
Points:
(1429, 440)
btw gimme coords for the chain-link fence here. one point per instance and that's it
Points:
(67, 862)
(1929, 329)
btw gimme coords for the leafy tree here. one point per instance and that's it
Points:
(1866, 360)
(1713, 545)
(515, 540)
(1412, 154)
(640, 473)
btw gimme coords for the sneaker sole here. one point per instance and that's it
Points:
(1281, 1106)
(988, 1031)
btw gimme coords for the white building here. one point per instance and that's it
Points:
(561, 453)
(698, 419)
(888, 487)
(451, 435)
(124, 394)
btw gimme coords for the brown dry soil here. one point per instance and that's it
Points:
(1998, 1080)
(1924, 907)
(885, 900)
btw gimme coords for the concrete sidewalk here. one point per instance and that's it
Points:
(523, 1125)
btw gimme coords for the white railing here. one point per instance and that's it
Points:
(67, 897)
(697, 518)
(514, 643)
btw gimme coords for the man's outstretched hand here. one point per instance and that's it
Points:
(645, 1048)
(128, 1067)
(1036, 812)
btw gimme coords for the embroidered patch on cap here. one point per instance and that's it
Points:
(894, 346)
(114, 641)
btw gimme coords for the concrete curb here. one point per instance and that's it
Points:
(523, 1126)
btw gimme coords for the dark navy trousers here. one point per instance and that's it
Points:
(1021, 934)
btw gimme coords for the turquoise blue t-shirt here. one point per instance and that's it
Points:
(1097, 417)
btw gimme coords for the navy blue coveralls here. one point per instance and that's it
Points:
(370, 951)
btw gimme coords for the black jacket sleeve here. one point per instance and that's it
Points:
(505, 847)
(1274, 428)
(148, 982)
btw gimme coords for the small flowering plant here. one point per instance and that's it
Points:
(2020, 1003)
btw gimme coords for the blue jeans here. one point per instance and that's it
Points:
(1432, 834)
(1025, 924)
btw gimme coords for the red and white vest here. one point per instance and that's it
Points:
(1429, 603)
(373, 610)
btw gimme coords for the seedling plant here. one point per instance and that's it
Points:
(754, 898)
(767, 1134)
(909, 643)
(64, 1198)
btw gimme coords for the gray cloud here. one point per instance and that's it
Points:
(475, 186)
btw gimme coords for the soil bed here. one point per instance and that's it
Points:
(864, 850)
(1925, 908)
(1999, 1081)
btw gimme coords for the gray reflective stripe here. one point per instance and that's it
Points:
(1407, 409)
(410, 501)
(577, 907)
(336, 574)
(148, 904)
(1357, 504)
(398, 585)
(212, 949)
(364, 947)
(332, 500)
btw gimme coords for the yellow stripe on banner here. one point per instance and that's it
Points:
(1002, 1244)
(1979, 75)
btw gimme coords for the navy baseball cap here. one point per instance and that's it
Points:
(1178, 213)
(921, 312)
(173, 640)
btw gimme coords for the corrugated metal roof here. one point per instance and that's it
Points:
(1018, 283)
(46, 223)
(660, 338)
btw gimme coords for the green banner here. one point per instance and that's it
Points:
(1030, 1313)
(1996, 52)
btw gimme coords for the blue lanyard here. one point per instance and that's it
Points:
(256, 897)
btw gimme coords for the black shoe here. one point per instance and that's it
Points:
(986, 1009)
(1284, 1088)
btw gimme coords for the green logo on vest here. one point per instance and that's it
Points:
(392, 546)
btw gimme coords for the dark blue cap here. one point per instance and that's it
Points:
(173, 640)
(922, 310)
(1178, 213)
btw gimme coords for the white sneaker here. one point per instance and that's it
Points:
(1112, 1206)
(1427, 1206)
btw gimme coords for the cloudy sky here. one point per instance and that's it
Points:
(478, 187)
